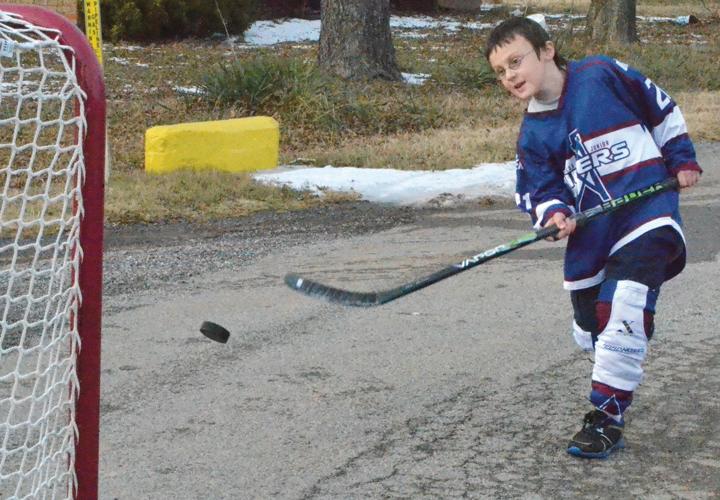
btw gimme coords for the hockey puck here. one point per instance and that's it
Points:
(215, 332)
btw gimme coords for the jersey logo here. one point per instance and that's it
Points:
(583, 175)
(627, 328)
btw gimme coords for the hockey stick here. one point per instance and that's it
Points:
(366, 299)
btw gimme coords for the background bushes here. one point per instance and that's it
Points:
(146, 20)
(305, 101)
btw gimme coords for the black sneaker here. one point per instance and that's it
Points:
(600, 436)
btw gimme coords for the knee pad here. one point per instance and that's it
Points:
(583, 338)
(623, 308)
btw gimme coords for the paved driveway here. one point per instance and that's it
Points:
(469, 388)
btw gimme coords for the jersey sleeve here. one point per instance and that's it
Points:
(540, 190)
(660, 114)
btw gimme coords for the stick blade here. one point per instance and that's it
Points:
(345, 297)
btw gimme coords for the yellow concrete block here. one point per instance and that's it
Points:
(239, 145)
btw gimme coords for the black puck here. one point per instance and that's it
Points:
(215, 332)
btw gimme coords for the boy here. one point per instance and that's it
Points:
(596, 129)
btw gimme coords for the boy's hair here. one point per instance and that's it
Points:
(506, 31)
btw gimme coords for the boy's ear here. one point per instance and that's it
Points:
(548, 52)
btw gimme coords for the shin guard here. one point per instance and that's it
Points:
(625, 309)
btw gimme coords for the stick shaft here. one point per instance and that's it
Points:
(347, 297)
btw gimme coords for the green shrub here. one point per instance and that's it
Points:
(262, 82)
(295, 91)
(471, 73)
(167, 19)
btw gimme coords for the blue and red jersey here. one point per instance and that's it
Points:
(614, 131)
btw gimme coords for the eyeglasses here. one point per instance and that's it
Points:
(514, 64)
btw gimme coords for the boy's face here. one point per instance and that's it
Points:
(519, 68)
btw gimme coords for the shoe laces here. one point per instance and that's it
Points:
(594, 420)
(598, 420)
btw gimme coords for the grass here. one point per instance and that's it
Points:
(660, 8)
(199, 196)
(459, 118)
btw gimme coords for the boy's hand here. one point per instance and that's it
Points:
(565, 224)
(688, 178)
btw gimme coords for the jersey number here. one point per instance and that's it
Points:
(663, 100)
(526, 199)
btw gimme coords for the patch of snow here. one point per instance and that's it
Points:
(188, 90)
(262, 33)
(400, 187)
(415, 78)
(290, 30)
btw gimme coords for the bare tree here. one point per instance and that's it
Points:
(612, 21)
(355, 39)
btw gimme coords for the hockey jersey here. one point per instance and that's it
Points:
(614, 131)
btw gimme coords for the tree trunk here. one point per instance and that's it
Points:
(355, 40)
(612, 21)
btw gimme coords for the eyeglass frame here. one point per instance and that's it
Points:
(514, 65)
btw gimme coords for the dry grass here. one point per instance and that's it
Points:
(457, 119)
(465, 146)
(197, 196)
(486, 130)
(702, 113)
(644, 7)
(441, 149)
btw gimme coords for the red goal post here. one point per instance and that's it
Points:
(52, 156)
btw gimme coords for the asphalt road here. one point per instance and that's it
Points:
(469, 388)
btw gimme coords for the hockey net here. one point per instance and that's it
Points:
(52, 114)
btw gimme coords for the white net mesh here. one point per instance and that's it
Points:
(41, 172)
